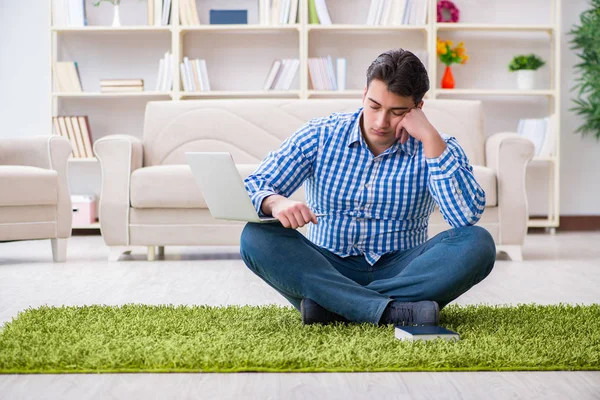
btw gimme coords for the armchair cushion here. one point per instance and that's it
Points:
(28, 186)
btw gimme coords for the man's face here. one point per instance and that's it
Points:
(382, 112)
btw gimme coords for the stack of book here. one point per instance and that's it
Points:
(397, 12)
(77, 130)
(121, 85)
(159, 12)
(322, 75)
(282, 74)
(66, 77)
(69, 13)
(540, 131)
(280, 12)
(188, 13)
(194, 75)
(318, 13)
(164, 81)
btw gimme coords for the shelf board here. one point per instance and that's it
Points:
(494, 92)
(448, 26)
(362, 28)
(110, 95)
(240, 28)
(241, 93)
(108, 28)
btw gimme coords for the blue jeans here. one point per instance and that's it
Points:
(441, 269)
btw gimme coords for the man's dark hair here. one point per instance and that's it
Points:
(402, 72)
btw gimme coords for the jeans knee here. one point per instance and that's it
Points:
(484, 249)
(250, 241)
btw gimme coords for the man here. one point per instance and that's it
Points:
(377, 175)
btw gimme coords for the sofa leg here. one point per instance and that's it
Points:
(59, 249)
(151, 253)
(161, 251)
(513, 251)
(115, 252)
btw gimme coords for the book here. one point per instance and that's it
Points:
(86, 133)
(424, 333)
(217, 17)
(121, 82)
(312, 12)
(119, 89)
(78, 137)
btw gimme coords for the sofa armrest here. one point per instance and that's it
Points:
(48, 152)
(119, 156)
(508, 155)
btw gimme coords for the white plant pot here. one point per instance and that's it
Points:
(116, 16)
(526, 79)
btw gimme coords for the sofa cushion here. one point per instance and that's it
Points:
(487, 180)
(28, 186)
(174, 186)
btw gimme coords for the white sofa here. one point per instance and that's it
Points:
(35, 202)
(150, 198)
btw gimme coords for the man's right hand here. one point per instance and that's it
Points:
(291, 214)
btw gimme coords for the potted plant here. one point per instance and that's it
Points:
(450, 55)
(585, 39)
(525, 66)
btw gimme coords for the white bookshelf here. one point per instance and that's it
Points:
(239, 58)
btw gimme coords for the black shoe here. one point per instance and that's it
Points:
(312, 313)
(417, 313)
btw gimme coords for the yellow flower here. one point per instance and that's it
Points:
(460, 51)
(464, 59)
(453, 55)
(461, 44)
(449, 43)
(441, 48)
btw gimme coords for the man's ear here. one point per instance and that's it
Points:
(421, 104)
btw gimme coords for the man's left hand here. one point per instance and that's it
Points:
(415, 124)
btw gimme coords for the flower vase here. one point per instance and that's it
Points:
(448, 79)
(116, 17)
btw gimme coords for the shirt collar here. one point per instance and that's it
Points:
(410, 147)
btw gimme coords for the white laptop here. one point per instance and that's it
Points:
(223, 187)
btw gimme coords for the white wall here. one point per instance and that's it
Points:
(25, 83)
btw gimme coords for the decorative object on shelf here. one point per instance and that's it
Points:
(585, 38)
(116, 17)
(447, 11)
(449, 55)
(525, 66)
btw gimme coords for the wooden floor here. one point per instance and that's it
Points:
(564, 268)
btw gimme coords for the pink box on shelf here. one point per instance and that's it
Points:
(84, 210)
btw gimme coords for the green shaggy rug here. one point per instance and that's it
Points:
(142, 338)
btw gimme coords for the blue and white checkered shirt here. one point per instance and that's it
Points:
(374, 205)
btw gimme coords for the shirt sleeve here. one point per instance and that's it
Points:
(283, 171)
(453, 186)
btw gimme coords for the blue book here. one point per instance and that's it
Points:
(228, 17)
(424, 333)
